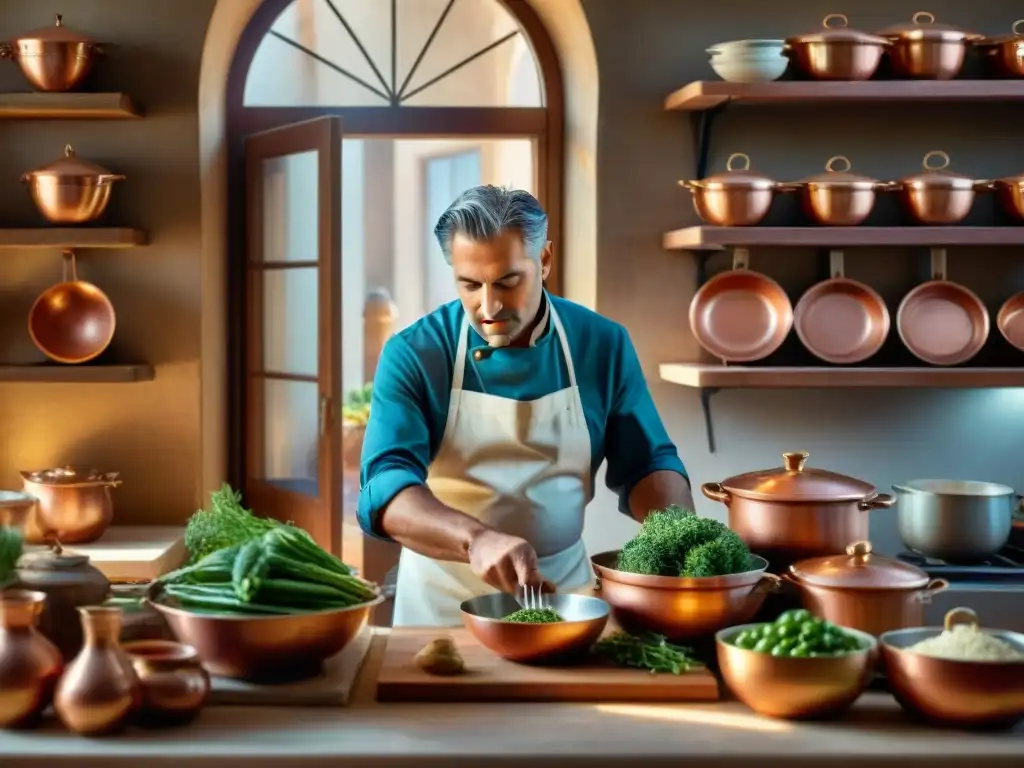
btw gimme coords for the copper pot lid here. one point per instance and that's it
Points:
(836, 29)
(935, 175)
(923, 26)
(841, 178)
(69, 476)
(795, 482)
(69, 166)
(859, 568)
(735, 177)
(55, 33)
(1015, 36)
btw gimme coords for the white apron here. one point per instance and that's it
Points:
(522, 468)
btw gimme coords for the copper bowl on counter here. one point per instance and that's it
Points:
(795, 688)
(265, 648)
(964, 694)
(681, 608)
(864, 591)
(175, 686)
(562, 641)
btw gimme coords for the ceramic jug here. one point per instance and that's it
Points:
(100, 692)
(30, 665)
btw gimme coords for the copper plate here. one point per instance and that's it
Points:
(840, 320)
(741, 316)
(1010, 320)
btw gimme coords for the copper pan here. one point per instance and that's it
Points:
(1010, 320)
(840, 320)
(941, 322)
(73, 321)
(740, 315)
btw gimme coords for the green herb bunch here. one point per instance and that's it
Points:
(224, 523)
(646, 651)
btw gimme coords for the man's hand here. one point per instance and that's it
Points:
(505, 562)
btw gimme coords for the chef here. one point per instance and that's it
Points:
(490, 417)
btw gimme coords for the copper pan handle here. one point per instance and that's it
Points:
(931, 589)
(740, 258)
(878, 501)
(716, 492)
(769, 583)
(109, 178)
(939, 264)
(690, 185)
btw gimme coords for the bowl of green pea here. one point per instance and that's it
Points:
(796, 667)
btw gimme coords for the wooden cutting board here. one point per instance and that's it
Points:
(491, 678)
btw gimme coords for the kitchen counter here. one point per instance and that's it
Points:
(409, 735)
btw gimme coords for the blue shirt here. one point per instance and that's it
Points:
(412, 386)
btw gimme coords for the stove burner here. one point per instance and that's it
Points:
(1006, 565)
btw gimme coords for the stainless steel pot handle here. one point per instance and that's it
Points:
(878, 501)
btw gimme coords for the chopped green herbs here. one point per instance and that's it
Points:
(534, 616)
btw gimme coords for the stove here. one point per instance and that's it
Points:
(1005, 567)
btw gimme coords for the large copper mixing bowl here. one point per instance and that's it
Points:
(682, 608)
(266, 648)
(561, 642)
(963, 694)
(795, 688)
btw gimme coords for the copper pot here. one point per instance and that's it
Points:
(69, 583)
(863, 590)
(55, 58)
(837, 198)
(924, 49)
(30, 665)
(1009, 192)
(73, 504)
(792, 513)
(1005, 55)
(71, 190)
(681, 608)
(838, 52)
(1010, 320)
(100, 693)
(737, 198)
(175, 686)
(938, 197)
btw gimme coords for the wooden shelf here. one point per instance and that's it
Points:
(77, 374)
(708, 238)
(701, 376)
(72, 237)
(67, 106)
(701, 96)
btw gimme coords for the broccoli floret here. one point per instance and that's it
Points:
(675, 542)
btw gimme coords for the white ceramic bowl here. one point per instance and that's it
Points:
(749, 69)
(740, 46)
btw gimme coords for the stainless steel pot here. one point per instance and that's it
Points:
(959, 521)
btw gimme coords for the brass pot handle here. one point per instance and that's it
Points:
(769, 583)
(716, 492)
(830, 164)
(923, 17)
(1015, 27)
(878, 501)
(859, 549)
(794, 461)
(109, 178)
(738, 156)
(691, 185)
(960, 616)
(932, 588)
(840, 17)
(935, 153)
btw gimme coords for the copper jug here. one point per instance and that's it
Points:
(30, 665)
(100, 692)
(69, 582)
(73, 504)
(174, 684)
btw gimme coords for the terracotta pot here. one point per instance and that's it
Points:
(73, 503)
(174, 684)
(100, 692)
(30, 665)
(792, 513)
(864, 591)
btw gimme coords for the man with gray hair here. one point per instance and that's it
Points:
(490, 417)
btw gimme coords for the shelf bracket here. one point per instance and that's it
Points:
(702, 136)
(703, 257)
(706, 394)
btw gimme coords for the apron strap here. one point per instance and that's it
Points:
(459, 369)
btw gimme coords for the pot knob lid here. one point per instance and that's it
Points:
(53, 560)
(832, 174)
(936, 172)
(794, 481)
(737, 171)
(55, 33)
(835, 28)
(70, 165)
(858, 568)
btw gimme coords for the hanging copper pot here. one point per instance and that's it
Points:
(737, 198)
(927, 50)
(54, 58)
(71, 190)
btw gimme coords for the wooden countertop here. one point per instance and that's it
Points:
(384, 735)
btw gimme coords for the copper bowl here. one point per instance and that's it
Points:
(175, 687)
(54, 59)
(963, 694)
(563, 641)
(795, 688)
(682, 608)
(266, 648)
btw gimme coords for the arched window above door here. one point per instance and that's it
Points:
(409, 53)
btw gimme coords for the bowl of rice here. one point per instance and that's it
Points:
(958, 675)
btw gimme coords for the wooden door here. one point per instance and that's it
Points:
(293, 299)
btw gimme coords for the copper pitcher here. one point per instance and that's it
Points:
(174, 684)
(73, 504)
(100, 692)
(30, 665)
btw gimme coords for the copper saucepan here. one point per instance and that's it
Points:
(1009, 192)
(737, 198)
(1005, 55)
(926, 50)
(938, 196)
(73, 321)
(840, 320)
(837, 52)
(740, 315)
(837, 198)
(941, 322)
(1010, 320)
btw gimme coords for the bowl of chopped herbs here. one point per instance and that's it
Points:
(562, 631)
(683, 577)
